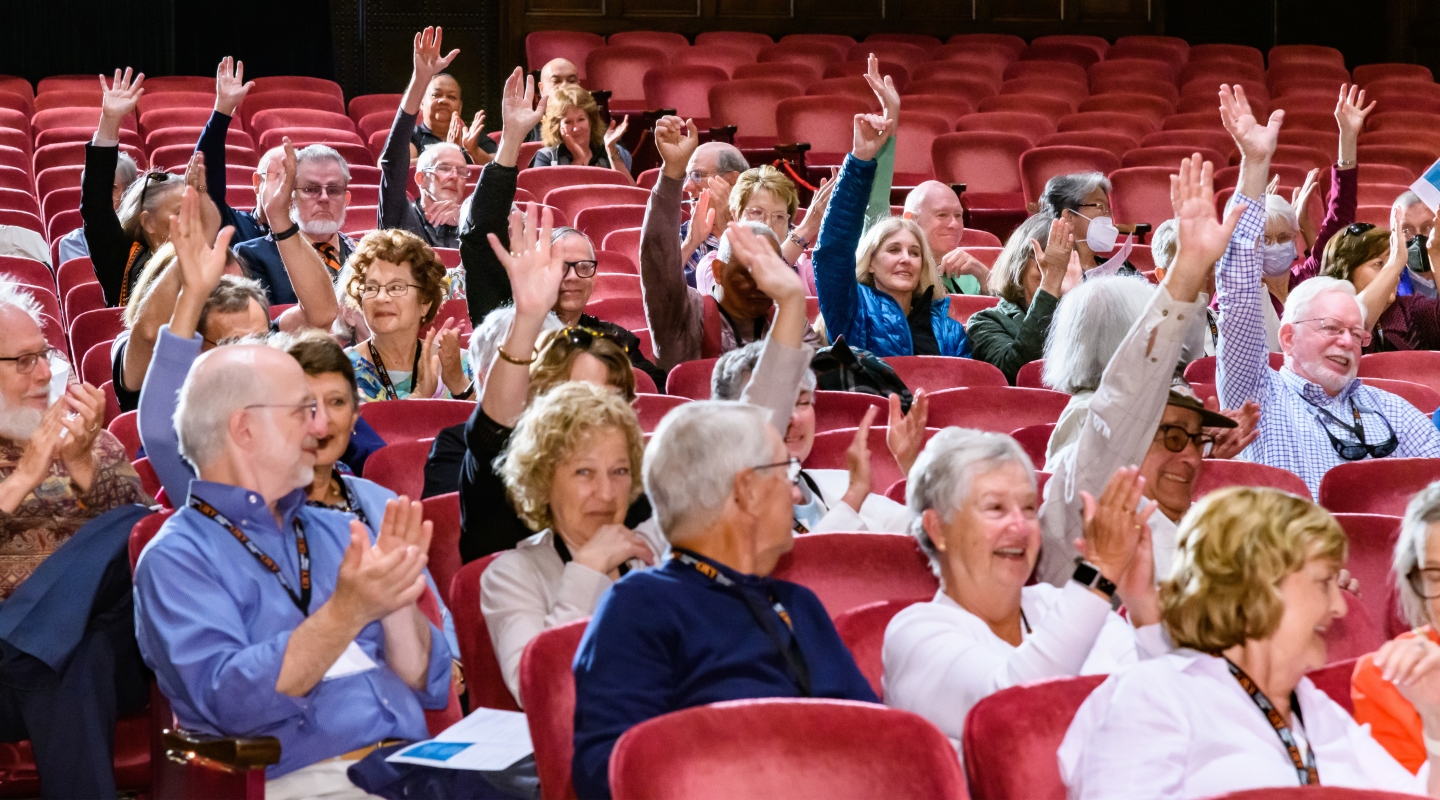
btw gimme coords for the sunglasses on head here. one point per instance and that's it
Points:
(154, 176)
(582, 337)
(1357, 228)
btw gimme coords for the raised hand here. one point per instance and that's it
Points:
(1201, 236)
(279, 187)
(1300, 201)
(1229, 442)
(906, 433)
(118, 99)
(1054, 260)
(770, 272)
(676, 140)
(403, 525)
(614, 132)
(884, 89)
(201, 262)
(871, 131)
(1256, 141)
(534, 275)
(518, 112)
(1113, 529)
(810, 226)
(1350, 114)
(611, 546)
(427, 58)
(230, 86)
(857, 461)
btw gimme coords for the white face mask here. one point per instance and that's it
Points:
(1102, 235)
(1275, 259)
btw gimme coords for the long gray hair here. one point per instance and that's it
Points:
(1089, 324)
(161, 185)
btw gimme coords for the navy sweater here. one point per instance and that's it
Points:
(671, 638)
(212, 144)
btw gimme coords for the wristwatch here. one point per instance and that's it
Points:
(1088, 575)
(283, 235)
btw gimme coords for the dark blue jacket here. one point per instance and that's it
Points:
(212, 145)
(868, 319)
(262, 257)
(671, 638)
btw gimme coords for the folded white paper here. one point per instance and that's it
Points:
(351, 661)
(1427, 186)
(487, 740)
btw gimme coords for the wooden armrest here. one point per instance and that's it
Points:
(724, 133)
(1139, 228)
(958, 188)
(236, 754)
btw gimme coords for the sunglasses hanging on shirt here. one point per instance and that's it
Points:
(1357, 450)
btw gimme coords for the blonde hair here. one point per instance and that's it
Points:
(877, 236)
(555, 356)
(160, 261)
(401, 248)
(561, 101)
(1233, 549)
(762, 177)
(553, 428)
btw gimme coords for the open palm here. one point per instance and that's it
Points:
(1202, 236)
(1254, 139)
(534, 275)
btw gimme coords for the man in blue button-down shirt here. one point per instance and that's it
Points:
(1314, 406)
(238, 644)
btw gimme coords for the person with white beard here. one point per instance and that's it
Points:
(317, 213)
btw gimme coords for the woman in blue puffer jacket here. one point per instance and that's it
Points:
(882, 293)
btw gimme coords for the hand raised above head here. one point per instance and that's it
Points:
(1256, 141)
(121, 95)
(535, 275)
(1201, 237)
(519, 113)
(230, 86)
(871, 131)
(676, 139)
(201, 263)
(884, 89)
(426, 56)
(1351, 111)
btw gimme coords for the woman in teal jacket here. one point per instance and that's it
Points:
(882, 292)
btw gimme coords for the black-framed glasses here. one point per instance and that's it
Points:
(1357, 228)
(153, 176)
(1354, 451)
(583, 269)
(1425, 582)
(1332, 328)
(395, 289)
(581, 337)
(1176, 439)
(25, 362)
(792, 468)
(312, 406)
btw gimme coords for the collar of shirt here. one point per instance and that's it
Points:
(1313, 393)
(246, 508)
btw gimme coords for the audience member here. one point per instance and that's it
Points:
(571, 469)
(73, 244)
(1375, 262)
(1075, 198)
(120, 240)
(59, 471)
(574, 133)
(1163, 244)
(399, 284)
(711, 173)
(880, 291)
(1314, 413)
(1381, 700)
(1136, 416)
(312, 194)
(709, 624)
(440, 169)
(440, 121)
(686, 325)
(1254, 589)
(230, 91)
(487, 287)
(766, 196)
(973, 499)
(1417, 226)
(1029, 277)
(936, 209)
(557, 73)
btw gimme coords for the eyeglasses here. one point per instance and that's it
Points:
(753, 214)
(792, 468)
(443, 169)
(1176, 439)
(1333, 328)
(154, 176)
(581, 337)
(583, 269)
(697, 176)
(1104, 207)
(315, 192)
(312, 406)
(25, 362)
(1425, 582)
(1354, 451)
(396, 289)
(1357, 228)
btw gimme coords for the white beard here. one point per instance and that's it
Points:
(318, 230)
(19, 424)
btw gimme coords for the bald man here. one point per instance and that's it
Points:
(713, 168)
(936, 209)
(557, 72)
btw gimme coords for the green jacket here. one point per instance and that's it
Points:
(1009, 336)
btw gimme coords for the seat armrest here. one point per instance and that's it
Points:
(236, 754)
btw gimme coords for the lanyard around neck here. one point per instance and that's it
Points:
(794, 658)
(302, 550)
(390, 393)
(1305, 769)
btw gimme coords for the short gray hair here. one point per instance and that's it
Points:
(1067, 192)
(1423, 511)
(491, 333)
(14, 294)
(1277, 207)
(125, 169)
(730, 160)
(693, 458)
(232, 296)
(1006, 277)
(322, 152)
(431, 154)
(733, 370)
(561, 231)
(1164, 243)
(726, 252)
(1405, 200)
(207, 399)
(1297, 305)
(941, 477)
(1089, 324)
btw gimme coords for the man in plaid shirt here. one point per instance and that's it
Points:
(1314, 413)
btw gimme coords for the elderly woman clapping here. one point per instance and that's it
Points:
(1255, 588)
(1030, 275)
(974, 505)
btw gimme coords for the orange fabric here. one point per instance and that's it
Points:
(1394, 723)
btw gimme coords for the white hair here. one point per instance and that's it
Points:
(321, 152)
(734, 369)
(491, 333)
(693, 458)
(1278, 208)
(1407, 199)
(1089, 324)
(1164, 243)
(1297, 305)
(207, 399)
(1422, 512)
(13, 294)
(941, 477)
(431, 154)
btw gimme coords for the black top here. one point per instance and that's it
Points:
(446, 459)
(212, 144)
(396, 210)
(559, 155)
(422, 137)
(922, 328)
(129, 401)
(117, 258)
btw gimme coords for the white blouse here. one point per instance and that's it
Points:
(878, 514)
(1181, 726)
(940, 660)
